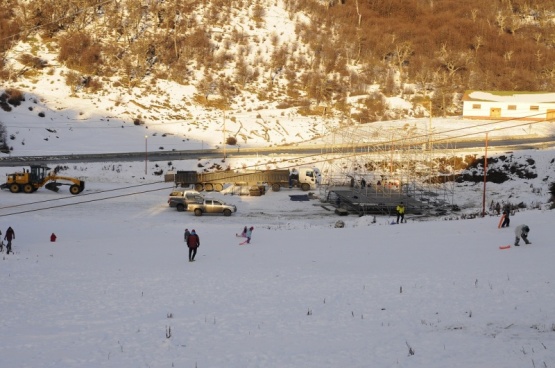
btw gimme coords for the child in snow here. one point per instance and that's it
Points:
(507, 214)
(249, 234)
(521, 231)
(243, 233)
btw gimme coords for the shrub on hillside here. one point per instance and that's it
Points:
(32, 61)
(78, 51)
(13, 97)
(232, 141)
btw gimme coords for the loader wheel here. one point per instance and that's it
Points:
(198, 212)
(305, 186)
(28, 188)
(14, 188)
(74, 189)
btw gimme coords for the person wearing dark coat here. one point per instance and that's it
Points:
(193, 242)
(507, 214)
(10, 234)
(186, 235)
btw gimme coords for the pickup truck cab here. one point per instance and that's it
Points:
(211, 206)
(180, 199)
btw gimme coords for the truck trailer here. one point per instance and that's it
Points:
(305, 178)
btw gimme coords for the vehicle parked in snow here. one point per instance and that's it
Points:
(305, 178)
(213, 206)
(180, 199)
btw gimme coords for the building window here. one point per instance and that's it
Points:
(476, 106)
(534, 108)
(512, 107)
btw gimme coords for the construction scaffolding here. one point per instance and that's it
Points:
(385, 165)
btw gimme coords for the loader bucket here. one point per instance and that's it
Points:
(53, 186)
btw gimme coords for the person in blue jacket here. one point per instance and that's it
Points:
(249, 234)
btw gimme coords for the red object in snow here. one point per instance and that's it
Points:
(53, 237)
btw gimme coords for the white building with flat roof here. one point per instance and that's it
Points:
(509, 105)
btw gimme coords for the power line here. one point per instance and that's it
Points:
(255, 165)
(424, 136)
(81, 202)
(81, 195)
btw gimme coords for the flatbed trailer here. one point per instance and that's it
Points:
(275, 179)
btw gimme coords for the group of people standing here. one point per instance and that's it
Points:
(10, 235)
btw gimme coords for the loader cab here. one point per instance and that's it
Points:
(38, 173)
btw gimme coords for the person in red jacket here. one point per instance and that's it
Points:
(193, 242)
(10, 234)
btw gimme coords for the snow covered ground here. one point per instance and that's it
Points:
(116, 288)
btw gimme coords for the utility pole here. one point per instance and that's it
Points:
(225, 142)
(485, 176)
(430, 127)
(146, 154)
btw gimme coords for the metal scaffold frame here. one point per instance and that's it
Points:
(400, 162)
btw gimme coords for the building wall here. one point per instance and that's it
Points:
(508, 110)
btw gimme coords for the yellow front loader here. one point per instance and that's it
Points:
(29, 181)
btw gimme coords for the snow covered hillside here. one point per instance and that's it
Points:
(116, 289)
